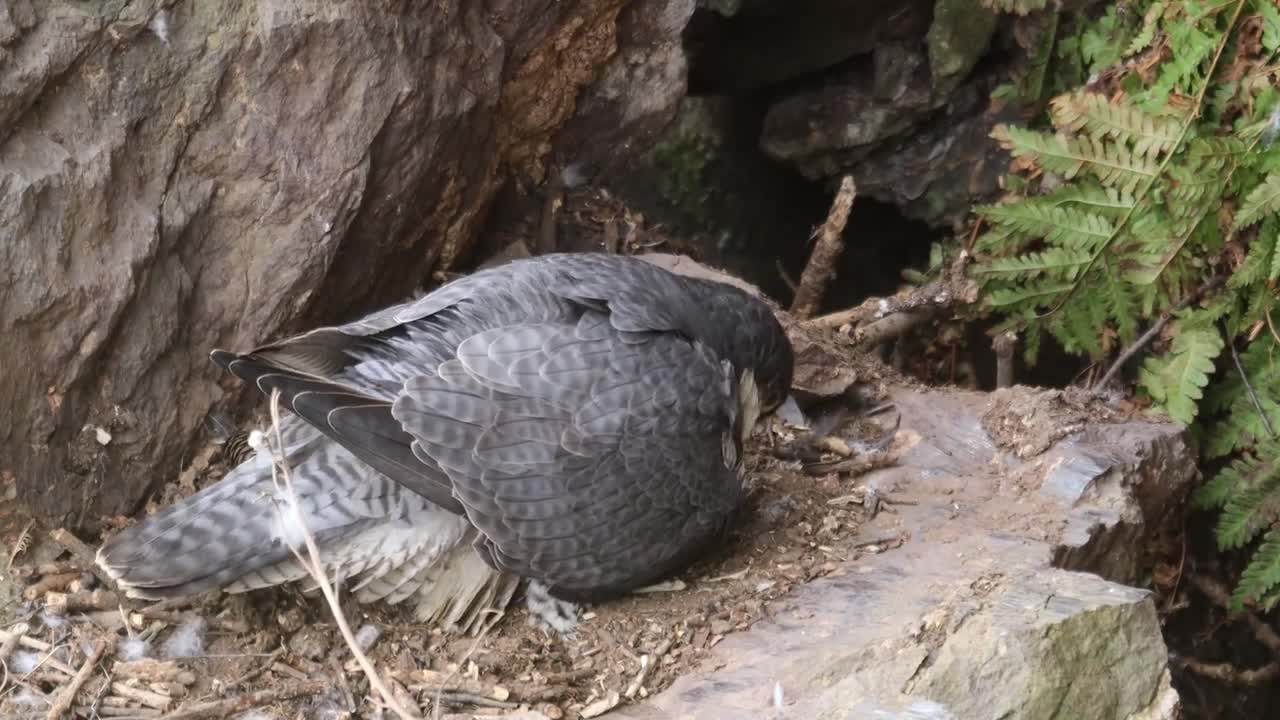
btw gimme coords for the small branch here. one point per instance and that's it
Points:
(1217, 593)
(1231, 675)
(68, 694)
(1003, 344)
(60, 603)
(50, 583)
(826, 252)
(1151, 333)
(950, 289)
(1248, 386)
(83, 554)
(316, 569)
(547, 236)
(890, 327)
(231, 706)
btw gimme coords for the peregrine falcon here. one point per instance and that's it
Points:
(573, 420)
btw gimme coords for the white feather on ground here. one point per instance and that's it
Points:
(134, 648)
(187, 640)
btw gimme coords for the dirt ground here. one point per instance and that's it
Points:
(801, 522)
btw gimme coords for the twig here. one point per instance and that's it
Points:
(1230, 674)
(261, 668)
(547, 240)
(343, 686)
(1248, 386)
(9, 639)
(953, 287)
(890, 327)
(60, 567)
(156, 700)
(1155, 329)
(60, 603)
(231, 706)
(454, 697)
(50, 583)
(83, 554)
(647, 662)
(68, 694)
(312, 564)
(885, 541)
(826, 252)
(1004, 344)
(1214, 590)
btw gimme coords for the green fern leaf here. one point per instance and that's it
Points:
(1094, 113)
(1257, 265)
(1262, 201)
(1253, 506)
(1122, 305)
(1226, 484)
(1261, 575)
(1150, 21)
(1176, 381)
(1035, 294)
(1055, 263)
(1112, 202)
(1067, 227)
(1112, 163)
(1270, 26)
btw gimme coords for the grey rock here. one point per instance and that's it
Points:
(972, 617)
(756, 44)
(178, 175)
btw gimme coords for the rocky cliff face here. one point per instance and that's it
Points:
(177, 176)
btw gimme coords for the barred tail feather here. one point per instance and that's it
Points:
(381, 541)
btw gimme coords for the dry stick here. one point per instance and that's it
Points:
(1003, 344)
(9, 639)
(68, 695)
(316, 569)
(1214, 590)
(1154, 330)
(826, 252)
(230, 706)
(82, 553)
(1248, 386)
(1230, 674)
(890, 327)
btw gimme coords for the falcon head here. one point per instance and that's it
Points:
(759, 353)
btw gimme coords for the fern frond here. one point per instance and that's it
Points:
(1253, 506)
(1067, 227)
(1190, 47)
(1055, 263)
(1261, 575)
(1262, 201)
(1257, 265)
(1150, 21)
(1021, 295)
(1243, 426)
(1095, 114)
(1270, 26)
(1226, 484)
(1112, 163)
(1176, 380)
(1121, 304)
(1111, 201)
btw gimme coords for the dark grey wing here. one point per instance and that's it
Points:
(591, 458)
